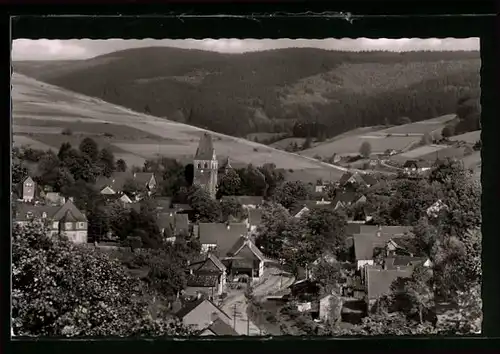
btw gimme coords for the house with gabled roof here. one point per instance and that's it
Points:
(245, 258)
(53, 198)
(220, 237)
(346, 198)
(201, 313)
(206, 275)
(218, 328)
(304, 206)
(434, 210)
(115, 183)
(366, 244)
(356, 178)
(28, 189)
(65, 220)
(379, 282)
(403, 262)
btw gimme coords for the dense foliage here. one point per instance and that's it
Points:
(273, 90)
(60, 289)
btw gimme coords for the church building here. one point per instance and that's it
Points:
(206, 166)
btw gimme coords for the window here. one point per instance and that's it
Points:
(81, 225)
(199, 165)
(29, 184)
(44, 215)
(68, 225)
(206, 165)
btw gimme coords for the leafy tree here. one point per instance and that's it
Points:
(143, 224)
(290, 192)
(98, 223)
(229, 184)
(132, 187)
(85, 195)
(204, 207)
(366, 149)
(448, 131)
(19, 172)
(328, 274)
(121, 165)
(63, 149)
(32, 155)
(63, 179)
(328, 229)
(404, 120)
(106, 162)
(307, 143)
(93, 296)
(416, 293)
(275, 222)
(80, 165)
(89, 147)
(272, 176)
(230, 206)
(253, 181)
(48, 169)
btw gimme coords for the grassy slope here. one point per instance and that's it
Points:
(264, 89)
(35, 100)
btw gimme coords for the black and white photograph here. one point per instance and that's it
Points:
(246, 187)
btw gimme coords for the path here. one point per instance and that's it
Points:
(236, 305)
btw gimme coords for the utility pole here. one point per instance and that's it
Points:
(234, 317)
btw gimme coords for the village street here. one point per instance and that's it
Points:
(236, 304)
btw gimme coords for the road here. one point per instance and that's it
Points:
(236, 304)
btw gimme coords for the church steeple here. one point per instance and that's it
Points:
(206, 166)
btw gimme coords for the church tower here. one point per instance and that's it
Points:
(206, 166)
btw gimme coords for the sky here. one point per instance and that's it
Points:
(52, 49)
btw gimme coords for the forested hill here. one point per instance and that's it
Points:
(271, 91)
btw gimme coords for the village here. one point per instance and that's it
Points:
(284, 257)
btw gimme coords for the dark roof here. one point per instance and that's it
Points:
(345, 197)
(115, 182)
(242, 263)
(301, 204)
(202, 280)
(68, 217)
(191, 305)
(369, 179)
(199, 263)
(240, 244)
(345, 177)
(255, 216)
(69, 206)
(205, 150)
(379, 281)
(173, 220)
(393, 230)
(221, 328)
(221, 234)
(353, 228)
(403, 261)
(36, 211)
(182, 207)
(246, 199)
(226, 164)
(364, 244)
(188, 307)
(163, 203)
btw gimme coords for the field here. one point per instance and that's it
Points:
(350, 145)
(284, 143)
(420, 128)
(470, 137)
(44, 110)
(398, 138)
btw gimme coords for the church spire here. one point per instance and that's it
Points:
(205, 149)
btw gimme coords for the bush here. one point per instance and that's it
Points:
(108, 135)
(67, 131)
(255, 149)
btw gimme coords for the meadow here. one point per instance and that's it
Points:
(470, 137)
(41, 110)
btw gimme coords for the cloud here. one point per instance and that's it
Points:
(44, 49)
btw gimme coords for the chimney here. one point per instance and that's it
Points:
(171, 214)
(70, 199)
(228, 226)
(135, 174)
(379, 233)
(198, 295)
